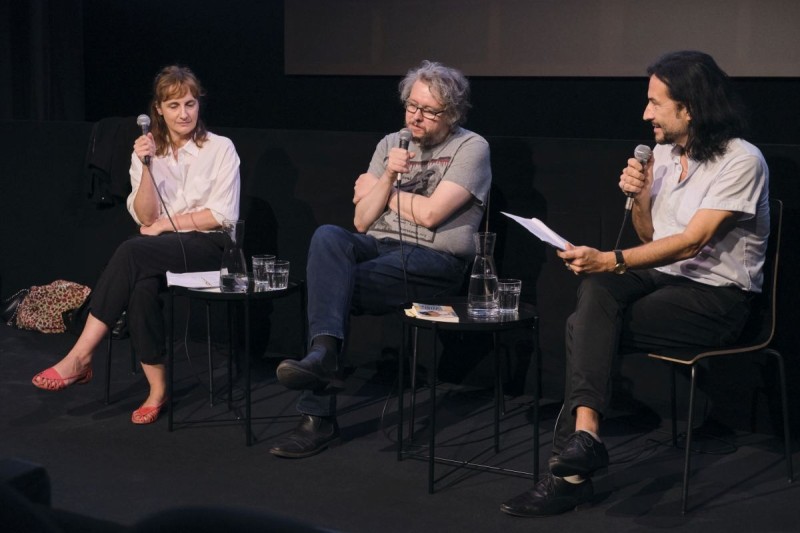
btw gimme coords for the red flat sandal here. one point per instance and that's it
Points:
(50, 379)
(147, 414)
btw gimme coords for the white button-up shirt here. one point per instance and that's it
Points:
(200, 178)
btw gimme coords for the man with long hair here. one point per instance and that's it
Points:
(701, 211)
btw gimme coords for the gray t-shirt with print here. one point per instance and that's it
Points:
(462, 158)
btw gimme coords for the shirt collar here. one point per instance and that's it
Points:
(190, 148)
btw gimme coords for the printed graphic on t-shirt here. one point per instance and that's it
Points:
(423, 179)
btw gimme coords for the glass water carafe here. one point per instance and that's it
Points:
(482, 296)
(233, 271)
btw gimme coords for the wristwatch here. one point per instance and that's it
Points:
(620, 267)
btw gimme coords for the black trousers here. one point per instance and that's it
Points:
(136, 273)
(638, 312)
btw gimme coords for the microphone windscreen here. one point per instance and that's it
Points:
(143, 121)
(405, 137)
(642, 153)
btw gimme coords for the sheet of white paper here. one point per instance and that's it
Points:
(540, 229)
(193, 279)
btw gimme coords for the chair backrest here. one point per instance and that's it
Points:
(760, 327)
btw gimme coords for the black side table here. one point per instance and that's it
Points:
(525, 318)
(214, 294)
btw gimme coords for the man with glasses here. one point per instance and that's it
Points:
(416, 210)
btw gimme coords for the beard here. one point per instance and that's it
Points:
(668, 136)
(429, 140)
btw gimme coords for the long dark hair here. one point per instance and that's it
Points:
(174, 82)
(717, 114)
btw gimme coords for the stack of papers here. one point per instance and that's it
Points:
(540, 229)
(193, 280)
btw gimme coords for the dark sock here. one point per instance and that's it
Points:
(325, 349)
(330, 343)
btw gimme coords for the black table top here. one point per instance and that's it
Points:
(252, 293)
(525, 317)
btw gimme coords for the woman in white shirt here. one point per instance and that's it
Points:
(185, 183)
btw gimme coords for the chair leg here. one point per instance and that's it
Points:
(108, 368)
(688, 451)
(785, 407)
(109, 352)
(673, 406)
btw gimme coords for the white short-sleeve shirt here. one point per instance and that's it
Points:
(738, 181)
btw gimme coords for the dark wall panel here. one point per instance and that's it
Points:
(237, 49)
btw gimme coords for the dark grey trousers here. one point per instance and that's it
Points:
(638, 312)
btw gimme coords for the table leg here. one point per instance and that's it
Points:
(432, 436)
(498, 392)
(210, 357)
(247, 407)
(400, 391)
(413, 373)
(170, 359)
(537, 361)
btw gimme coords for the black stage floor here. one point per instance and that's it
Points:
(103, 467)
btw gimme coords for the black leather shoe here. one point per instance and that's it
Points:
(312, 435)
(582, 456)
(309, 373)
(550, 496)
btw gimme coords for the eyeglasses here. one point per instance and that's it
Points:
(430, 114)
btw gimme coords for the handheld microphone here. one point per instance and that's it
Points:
(143, 121)
(642, 154)
(405, 138)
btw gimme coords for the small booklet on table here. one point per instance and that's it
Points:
(540, 229)
(437, 313)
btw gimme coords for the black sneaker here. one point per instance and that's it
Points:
(549, 497)
(309, 373)
(582, 456)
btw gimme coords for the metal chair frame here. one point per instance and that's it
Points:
(753, 342)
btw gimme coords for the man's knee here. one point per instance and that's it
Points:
(327, 236)
(596, 290)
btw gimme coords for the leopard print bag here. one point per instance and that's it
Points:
(43, 307)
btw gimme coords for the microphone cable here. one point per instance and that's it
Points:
(405, 138)
(144, 122)
(402, 247)
(171, 222)
(186, 269)
(621, 229)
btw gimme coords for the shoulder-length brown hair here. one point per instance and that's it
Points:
(174, 82)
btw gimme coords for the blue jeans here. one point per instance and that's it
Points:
(355, 273)
(638, 312)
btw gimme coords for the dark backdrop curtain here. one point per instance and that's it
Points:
(41, 60)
